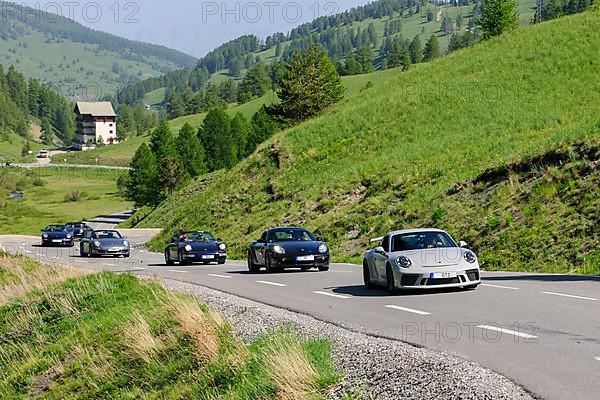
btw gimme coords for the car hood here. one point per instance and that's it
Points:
(300, 247)
(203, 246)
(57, 235)
(438, 257)
(111, 242)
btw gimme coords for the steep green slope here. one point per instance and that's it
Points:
(387, 157)
(79, 61)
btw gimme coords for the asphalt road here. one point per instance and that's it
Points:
(542, 331)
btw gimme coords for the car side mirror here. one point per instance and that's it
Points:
(379, 249)
(463, 244)
(219, 240)
(320, 239)
(174, 239)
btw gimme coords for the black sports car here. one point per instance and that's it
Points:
(78, 229)
(282, 248)
(104, 243)
(195, 246)
(56, 235)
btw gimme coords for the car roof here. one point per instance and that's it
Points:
(417, 230)
(287, 227)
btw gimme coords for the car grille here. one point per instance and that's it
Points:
(409, 280)
(445, 281)
(473, 275)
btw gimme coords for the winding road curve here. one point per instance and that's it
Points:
(542, 331)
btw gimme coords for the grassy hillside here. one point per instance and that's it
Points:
(386, 158)
(56, 195)
(68, 334)
(11, 145)
(78, 61)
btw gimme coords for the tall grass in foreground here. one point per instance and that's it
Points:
(65, 334)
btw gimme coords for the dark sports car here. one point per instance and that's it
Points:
(195, 246)
(282, 248)
(56, 235)
(104, 243)
(78, 229)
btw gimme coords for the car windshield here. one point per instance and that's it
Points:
(196, 236)
(75, 225)
(55, 228)
(289, 235)
(421, 240)
(107, 235)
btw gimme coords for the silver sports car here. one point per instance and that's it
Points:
(420, 259)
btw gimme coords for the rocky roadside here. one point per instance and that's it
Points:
(374, 368)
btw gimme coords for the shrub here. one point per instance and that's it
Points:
(73, 196)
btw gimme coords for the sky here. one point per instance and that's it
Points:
(194, 27)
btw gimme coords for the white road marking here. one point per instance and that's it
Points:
(571, 296)
(597, 358)
(410, 310)
(111, 265)
(338, 296)
(220, 276)
(138, 269)
(28, 251)
(499, 286)
(272, 283)
(178, 271)
(507, 331)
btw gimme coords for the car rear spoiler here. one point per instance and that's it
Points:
(379, 239)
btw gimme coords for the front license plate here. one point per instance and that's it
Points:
(114, 249)
(57, 241)
(210, 257)
(442, 275)
(306, 258)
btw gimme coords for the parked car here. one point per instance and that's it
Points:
(104, 243)
(195, 246)
(43, 154)
(420, 259)
(57, 235)
(78, 228)
(292, 247)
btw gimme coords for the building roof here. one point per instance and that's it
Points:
(96, 109)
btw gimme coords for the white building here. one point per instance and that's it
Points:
(96, 123)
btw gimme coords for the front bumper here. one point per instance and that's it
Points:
(205, 256)
(121, 251)
(424, 279)
(57, 242)
(287, 261)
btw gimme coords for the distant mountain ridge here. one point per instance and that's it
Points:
(60, 51)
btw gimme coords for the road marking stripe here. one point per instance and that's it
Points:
(338, 296)
(112, 265)
(410, 310)
(597, 358)
(178, 271)
(28, 251)
(271, 283)
(499, 286)
(220, 276)
(138, 269)
(571, 296)
(507, 331)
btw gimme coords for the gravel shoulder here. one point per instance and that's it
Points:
(373, 367)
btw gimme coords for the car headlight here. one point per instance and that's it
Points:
(69, 236)
(323, 248)
(45, 236)
(188, 248)
(222, 247)
(470, 257)
(125, 243)
(403, 262)
(278, 250)
(97, 243)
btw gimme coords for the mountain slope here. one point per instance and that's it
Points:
(77, 60)
(388, 157)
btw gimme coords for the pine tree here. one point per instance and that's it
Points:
(162, 143)
(309, 85)
(364, 57)
(263, 127)
(416, 50)
(172, 174)
(432, 49)
(47, 136)
(26, 149)
(215, 136)
(498, 16)
(240, 132)
(143, 178)
(190, 151)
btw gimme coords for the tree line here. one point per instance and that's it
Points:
(21, 98)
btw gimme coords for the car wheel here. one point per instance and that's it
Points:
(81, 253)
(471, 287)
(305, 269)
(269, 267)
(391, 285)
(324, 269)
(222, 262)
(367, 276)
(181, 260)
(251, 266)
(168, 260)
